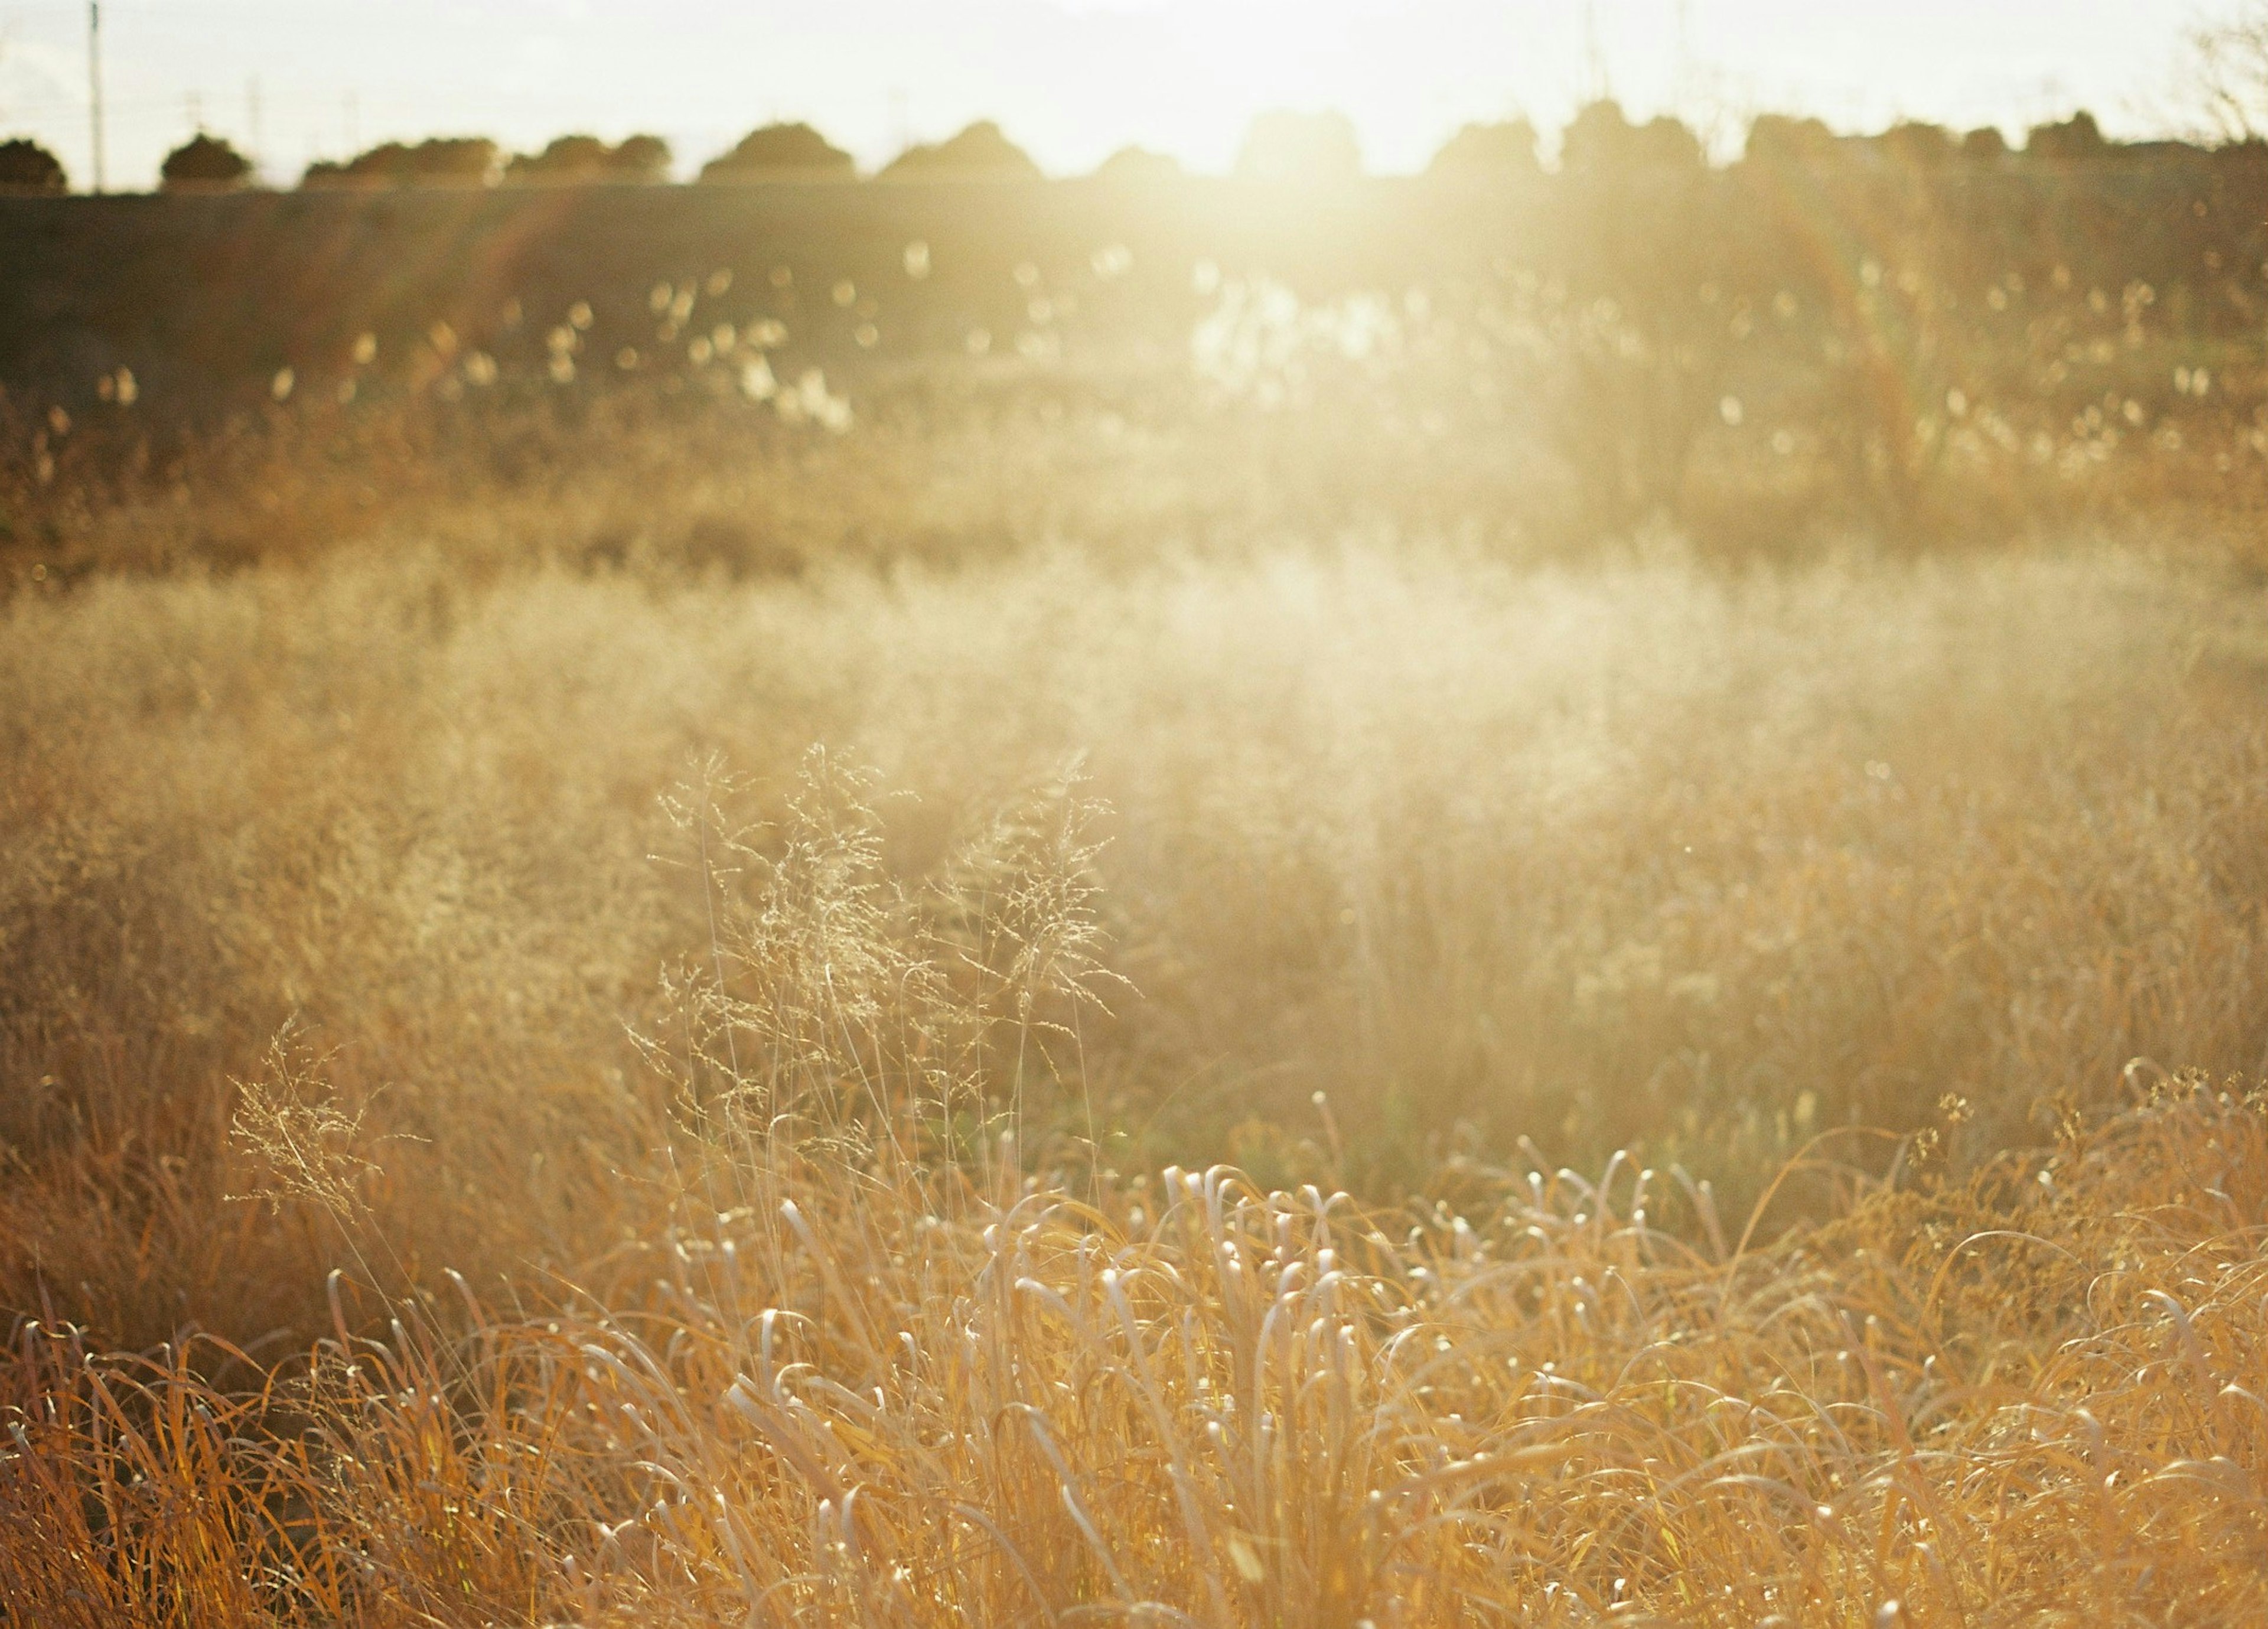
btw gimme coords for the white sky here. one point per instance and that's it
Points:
(1072, 80)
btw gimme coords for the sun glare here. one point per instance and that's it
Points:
(1373, 813)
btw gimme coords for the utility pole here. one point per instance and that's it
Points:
(254, 134)
(94, 91)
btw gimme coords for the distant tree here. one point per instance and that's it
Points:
(1918, 147)
(1139, 164)
(980, 152)
(455, 160)
(204, 164)
(1306, 147)
(2077, 137)
(640, 158)
(572, 158)
(27, 166)
(1489, 151)
(1985, 145)
(1600, 137)
(565, 158)
(1776, 138)
(1603, 139)
(439, 161)
(781, 151)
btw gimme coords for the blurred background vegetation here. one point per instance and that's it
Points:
(1916, 337)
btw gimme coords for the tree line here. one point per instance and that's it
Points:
(1281, 146)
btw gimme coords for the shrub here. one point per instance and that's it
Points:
(1985, 145)
(439, 161)
(1777, 138)
(204, 163)
(2076, 139)
(1487, 151)
(1917, 145)
(27, 167)
(1139, 164)
(1602, 140)
(781, 151)
(640, 157)
(588, 159)
(981, 152)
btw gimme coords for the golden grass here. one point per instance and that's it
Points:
(1593, 856)
(866, 1393)
(786, 1115)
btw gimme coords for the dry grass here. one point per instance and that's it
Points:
(786, 1115)
(861, 1376)
(604, 935)
(1636, 853)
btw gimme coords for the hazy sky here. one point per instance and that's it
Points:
(1072, 80)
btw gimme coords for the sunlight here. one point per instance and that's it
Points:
(1072, 80)
(1239, 812)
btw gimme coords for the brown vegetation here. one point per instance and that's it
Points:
(781, 151)
(1037, 913)
(573, 160)
(981, 152)
(437, 161)
(27, 167)
(205, 163)
(875, 1395)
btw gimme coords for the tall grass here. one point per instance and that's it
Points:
(859, 1374)
(1638, 855)
(601, 1099)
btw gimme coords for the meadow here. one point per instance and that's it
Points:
(1134, 980)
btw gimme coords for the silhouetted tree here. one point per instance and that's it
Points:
(1776, 138)
(980, 152)
(2078, 137)
(571, 158)
(27, 166)
(204, 164)
(565, 158)
(439, 161)
(1139, 164)
(640, 158)
(1918, 147)
(1284, 146)
(1488, 153)
(781, 151)
(1603, 139)
(1985, 145)
(1598, 139)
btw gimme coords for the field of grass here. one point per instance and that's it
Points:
(1119, 985)
(776, 1000)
